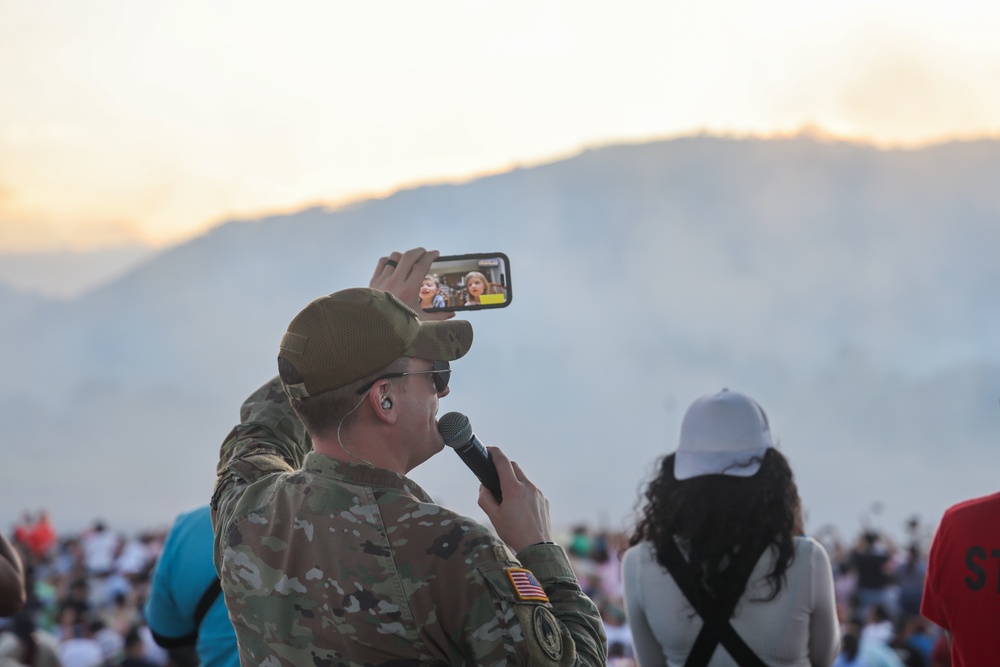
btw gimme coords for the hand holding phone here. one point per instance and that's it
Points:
(474, 281)
(401, 272)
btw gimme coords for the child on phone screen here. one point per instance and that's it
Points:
(475, 286)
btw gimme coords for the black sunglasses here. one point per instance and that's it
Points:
(440, 369)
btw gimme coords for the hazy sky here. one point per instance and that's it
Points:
(124, 120)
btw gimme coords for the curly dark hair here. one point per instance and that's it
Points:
(720, 518)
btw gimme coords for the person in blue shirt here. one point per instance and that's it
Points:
(185, 607)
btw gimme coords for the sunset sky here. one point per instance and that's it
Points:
(125, 121)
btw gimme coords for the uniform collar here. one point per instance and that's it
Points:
(365, 475)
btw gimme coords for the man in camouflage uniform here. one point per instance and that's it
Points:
(329, 555)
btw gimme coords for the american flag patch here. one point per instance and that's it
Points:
(525, 585)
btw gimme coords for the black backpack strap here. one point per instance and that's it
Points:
(206, 602)
(182, 648)
(704, 645)
(716, 628)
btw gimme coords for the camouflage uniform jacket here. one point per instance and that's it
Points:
(325, 563)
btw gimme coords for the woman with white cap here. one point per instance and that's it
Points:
(718, 572)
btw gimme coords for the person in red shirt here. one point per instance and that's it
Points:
(41, 536)
(962, 588)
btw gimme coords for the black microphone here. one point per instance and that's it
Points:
(456, 430)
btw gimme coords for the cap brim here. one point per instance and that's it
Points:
(441, 340)
(695, 464)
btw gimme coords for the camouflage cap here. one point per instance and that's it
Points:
(350, 334)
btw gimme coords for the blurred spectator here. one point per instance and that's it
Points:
(100, 548)
(112, 644)
(25, 645)
(136, 557)
(871, 561)
(878, 626)
(81, 650)
(579, 545)
(135, 651)
(73, 609)
(617, 657)
(100, 552)
(121, 615)
(914, 643)
(910, 576)
(37, 535)
(152, 651)
(607, 550)
(616, 628)
(871, 652)
(850, 651)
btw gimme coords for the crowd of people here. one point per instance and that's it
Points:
(86, 596)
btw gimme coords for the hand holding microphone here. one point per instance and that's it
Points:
(522, 519)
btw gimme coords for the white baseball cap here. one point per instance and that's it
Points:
(722, 434)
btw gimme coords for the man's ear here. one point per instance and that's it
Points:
(380, 399)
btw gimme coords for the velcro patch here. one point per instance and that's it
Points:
(525, 585)
(547, 633)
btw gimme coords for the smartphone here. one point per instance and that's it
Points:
(477, 281)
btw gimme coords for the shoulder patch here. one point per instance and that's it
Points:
(525, 584)
(547, 633)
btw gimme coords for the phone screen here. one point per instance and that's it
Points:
(477, 281)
